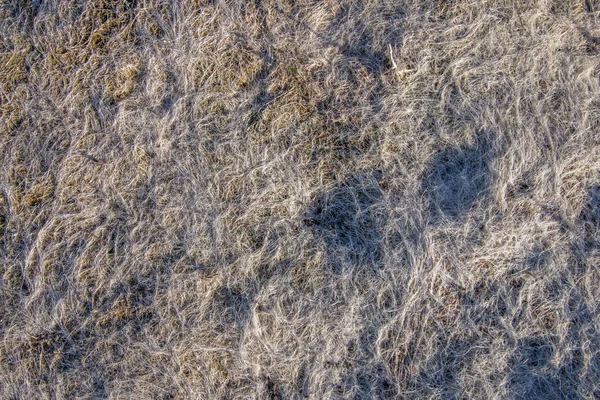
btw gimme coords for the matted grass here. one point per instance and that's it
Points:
(277, 199)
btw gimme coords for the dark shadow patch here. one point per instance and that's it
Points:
(583, 337)
(348, 219)
(364, 378)
(592, 46)
(365, 41)
(366, 44)
(360, 46)
(533, 353)
(589, 217)
(4, 219)
(532, 375)
(260, 103)
(128, 306)
(302, 382)
(440, 375)
(538, 258)
(593, 375)
(272, 390)
(457, 177)
(231, 308)
(167, 102)
(585, 247)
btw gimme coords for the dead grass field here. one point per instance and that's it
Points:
(300, 199)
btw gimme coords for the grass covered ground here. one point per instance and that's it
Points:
(300, 199)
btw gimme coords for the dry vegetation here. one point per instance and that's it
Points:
(312, 199)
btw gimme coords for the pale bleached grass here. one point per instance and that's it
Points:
(356, 199)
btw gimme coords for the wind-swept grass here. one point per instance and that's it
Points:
(275, 199)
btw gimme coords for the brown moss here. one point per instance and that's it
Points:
(124, 80)
(13, 67)
(227, 66)
(119, 313)
(109, 22)
(39, 193)
(65, 65)
(11, 117)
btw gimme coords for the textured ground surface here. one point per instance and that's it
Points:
(355, 199)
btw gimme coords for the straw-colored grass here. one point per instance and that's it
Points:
(300, 199)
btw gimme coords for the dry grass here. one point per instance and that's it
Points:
(273, 199)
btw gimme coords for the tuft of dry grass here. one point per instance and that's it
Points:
(277, 199)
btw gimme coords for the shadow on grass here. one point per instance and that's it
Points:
(533, 375)
(589, 219)
(457, 178)
(348, 218)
